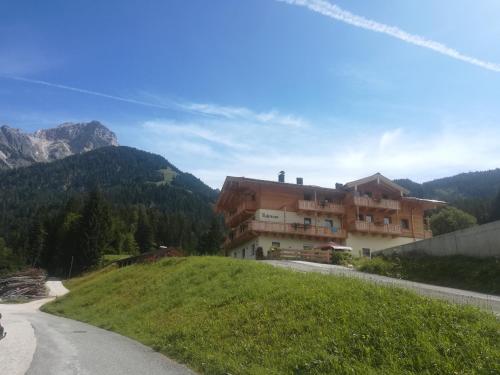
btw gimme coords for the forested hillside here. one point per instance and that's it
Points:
(473, 192)
(123, 199)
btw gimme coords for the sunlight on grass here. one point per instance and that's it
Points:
(222, 315)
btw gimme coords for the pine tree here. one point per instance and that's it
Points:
(144, 232)
(95, 230)
(36, 242)
(211, 240)
(495, 208)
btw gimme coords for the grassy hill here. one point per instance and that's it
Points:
(227, 316)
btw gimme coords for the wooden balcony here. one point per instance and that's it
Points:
(242, 212)
(389, 229)
(383, 204)
(323, 207)
(253, 227)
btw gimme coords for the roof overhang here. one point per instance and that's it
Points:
(377, 177)
(426, 204)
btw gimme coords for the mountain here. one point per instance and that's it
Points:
(19, 149)
(141, 190)
(472, 192)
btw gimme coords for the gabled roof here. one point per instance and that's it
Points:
(379, 179)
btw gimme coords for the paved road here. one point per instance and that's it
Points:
(42, 344)
(485, 301)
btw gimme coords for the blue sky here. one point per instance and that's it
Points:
(329, 91)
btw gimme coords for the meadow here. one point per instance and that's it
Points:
(228, 316)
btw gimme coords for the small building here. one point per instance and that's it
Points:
(369, 214)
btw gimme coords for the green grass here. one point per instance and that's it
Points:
(110, 258)
(480, 275)
(228, 316)
(168, 176)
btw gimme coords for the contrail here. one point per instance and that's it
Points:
(333, 11)
(90, 92)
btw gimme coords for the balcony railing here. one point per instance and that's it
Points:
(331, 208)
(386, 204)
(253, 226)
(245, 207)
(364, 226)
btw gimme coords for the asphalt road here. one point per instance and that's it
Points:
(40, 344)
(486, 302)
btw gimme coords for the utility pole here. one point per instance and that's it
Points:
(70, 267)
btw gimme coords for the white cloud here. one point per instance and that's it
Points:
(335, 12)
(389, 138)
(272, 117)
(191, 130)
(325, 155)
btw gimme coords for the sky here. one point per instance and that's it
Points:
(330, 91)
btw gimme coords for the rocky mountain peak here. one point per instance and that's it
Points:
(19, 149)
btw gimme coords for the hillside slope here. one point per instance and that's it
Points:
(178, 205)
(222, 315)
(484, 184)
(472, 192)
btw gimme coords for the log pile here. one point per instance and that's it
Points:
(27, 284)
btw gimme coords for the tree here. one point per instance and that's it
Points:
(95, 230)
(36, 242)
(450, 219)
(495, 208)
(144, 232)
(8, 261)
(211, 240)
(129, 245)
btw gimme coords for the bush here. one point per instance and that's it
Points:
(381, 266)
(341, 258)
(450, 219)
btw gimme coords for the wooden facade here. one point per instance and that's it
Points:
(373, 206)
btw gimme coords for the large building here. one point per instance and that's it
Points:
(369, 214)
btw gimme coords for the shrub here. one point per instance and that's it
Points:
(381, 266)
(341, 258)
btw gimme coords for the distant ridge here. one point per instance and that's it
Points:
(472, 192)
(19, 149)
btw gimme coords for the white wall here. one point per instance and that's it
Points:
(266, 242)
(250, 248)
(373, 242)
(291, 217)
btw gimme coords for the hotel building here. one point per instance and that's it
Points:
(368, 214)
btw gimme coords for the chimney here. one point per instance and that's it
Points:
(300, 181)
(281, 176)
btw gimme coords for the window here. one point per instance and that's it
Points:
(366, 252)
(243, 253)
(369, 219)
(307, 197)
(361, 217)
(329, 223)
(253, 249)
(387, 220)
(405, 224)
(275, 244)
(307, 247)
(307, 221)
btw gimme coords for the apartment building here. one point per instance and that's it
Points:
(369, 214)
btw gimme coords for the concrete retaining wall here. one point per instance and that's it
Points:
(480, 241)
